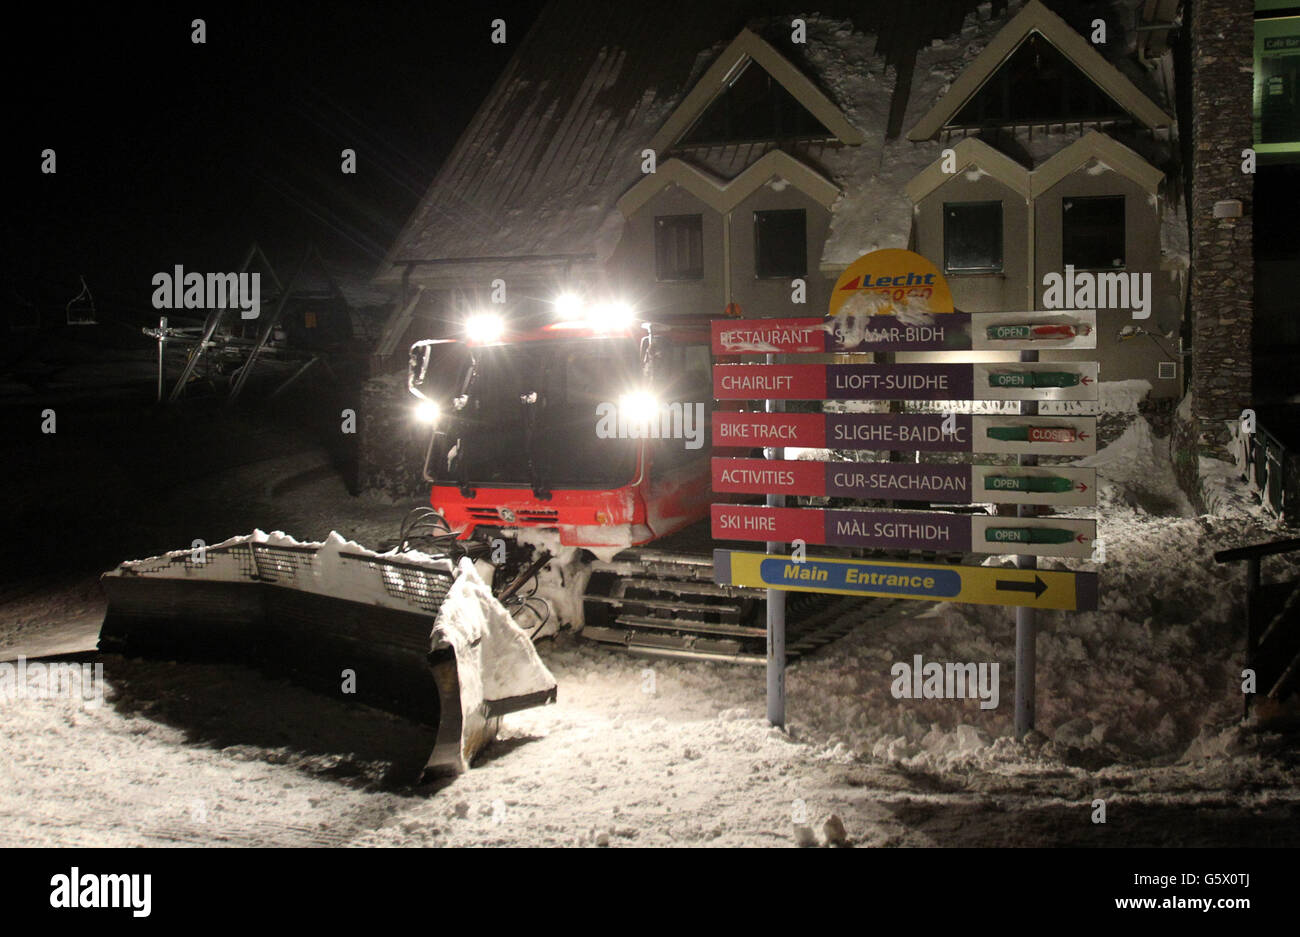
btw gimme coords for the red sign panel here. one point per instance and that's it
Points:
(752, 430)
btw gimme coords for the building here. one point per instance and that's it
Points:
(688, 157)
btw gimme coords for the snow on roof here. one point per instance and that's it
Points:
(874, 211)
(559, 139)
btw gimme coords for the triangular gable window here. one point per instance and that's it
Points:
(1037, 84)
(754, 107)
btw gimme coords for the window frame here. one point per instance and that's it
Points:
(1000, 268)
(661, 224)
(759, 273)
(1123, 231)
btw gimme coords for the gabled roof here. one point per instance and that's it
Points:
(747, 47)
(723, 196)
(534, 186)
(1037, 18)
(971, 152)
(1103, 149)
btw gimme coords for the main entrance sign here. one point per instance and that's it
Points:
(930, 582)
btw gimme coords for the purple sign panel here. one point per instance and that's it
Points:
(899, 382)
(946, 332)
(951, 483)
(898, 530)
(895, 431)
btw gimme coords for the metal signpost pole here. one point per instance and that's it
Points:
(775, 602)
(1026, 626)
(162, 341)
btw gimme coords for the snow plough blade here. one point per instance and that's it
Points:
(415, 635)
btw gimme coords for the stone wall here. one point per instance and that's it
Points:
(1222, 271)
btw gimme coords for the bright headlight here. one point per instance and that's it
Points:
(612, 316)
(568, 305)
(426, 411)
(638, 407)
(484, 327)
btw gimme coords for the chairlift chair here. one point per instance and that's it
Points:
(81, 308)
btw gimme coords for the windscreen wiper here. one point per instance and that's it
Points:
(529, 402)
(462, 482)
(460, 402)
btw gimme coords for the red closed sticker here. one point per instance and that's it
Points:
(1052, 434)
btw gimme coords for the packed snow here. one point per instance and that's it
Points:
(1138, 704)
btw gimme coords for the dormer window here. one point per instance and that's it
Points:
(1037, 84)
(754, 108)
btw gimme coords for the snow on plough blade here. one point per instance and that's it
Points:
(415, 635)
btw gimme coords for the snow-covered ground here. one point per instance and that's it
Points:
(1138, 705)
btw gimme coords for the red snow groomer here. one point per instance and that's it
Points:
(576, 455)
(569, 466)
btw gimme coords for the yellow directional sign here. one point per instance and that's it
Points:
(930, 582)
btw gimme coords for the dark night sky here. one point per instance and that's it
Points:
(170, 152)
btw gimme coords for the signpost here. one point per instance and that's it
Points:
(775, 601)
(888, 302)
(1026, 624)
